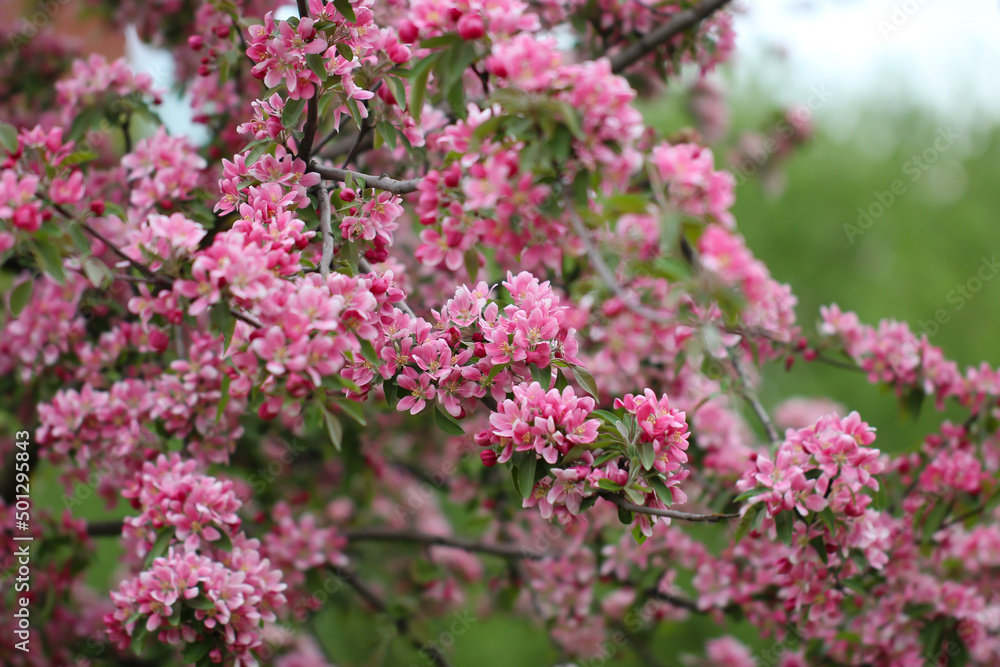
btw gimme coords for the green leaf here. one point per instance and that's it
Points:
(526, 474)
(346, 10)
(586, 381)
(661, 490)
(8, 137)
(829, 519)
(139, 638)
(160, 546)
(354, 410)
(446, 423)
(387, 132)
(224, 543)
(224, 322)
(918, 611)
(624, 515)
(317, 64)
(441, 40)
(256, 152)
(200, 602)
(819, 544)
(542, 376)
(20, 296)
(333, 428)
(352, 106)
(608, 485)
(97, 272)
(638, 535)
(84, 120)
(647, 454)
(345, 51)
(398, 91)
(934, 520)
(368, 352)
(747, 520)
(50, 259)
(224, 397)
(472, 264)
(747, 495)
(391, 390)
(292, 112)
(784, 522)
(195, 652)
(910, 403)
(418, 87)
(607, 417)
(79, 157)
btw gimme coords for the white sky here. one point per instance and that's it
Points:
(943, 55)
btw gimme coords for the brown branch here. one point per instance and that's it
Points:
(660, 36)
(378, 182)
(324, 225)
(312, 106)
(391, 535)
(378, 534)
(670, 514)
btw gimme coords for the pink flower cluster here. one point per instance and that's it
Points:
(549, 424)
(662, 426)
(48, 327)
(474, 348)
(693, 185)
(893, 354)
(172, 495)
(161, 240)
(280, 51)
(94, 78)
(826, 465)
(231, 591)
(470, 19)
(163, 170)
(19, 205)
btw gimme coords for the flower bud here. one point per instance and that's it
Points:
(408, 31)
(471, 27)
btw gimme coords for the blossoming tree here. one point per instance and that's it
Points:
(434, 322)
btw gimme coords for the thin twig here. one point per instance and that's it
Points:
(378, 182)
(670, 514)
(750, 396)
(680, 22)
(392, 535)
(401, 622)
(366, 126)
(324, 225)
(605, 274)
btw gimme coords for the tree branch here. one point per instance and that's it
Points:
(656, 38)
(751, 398)
(312, 106)
(391, 535)
(378, 182)
(324, 225)
(402, 623)
(670, 514)
(605, 274)
(378, 534)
